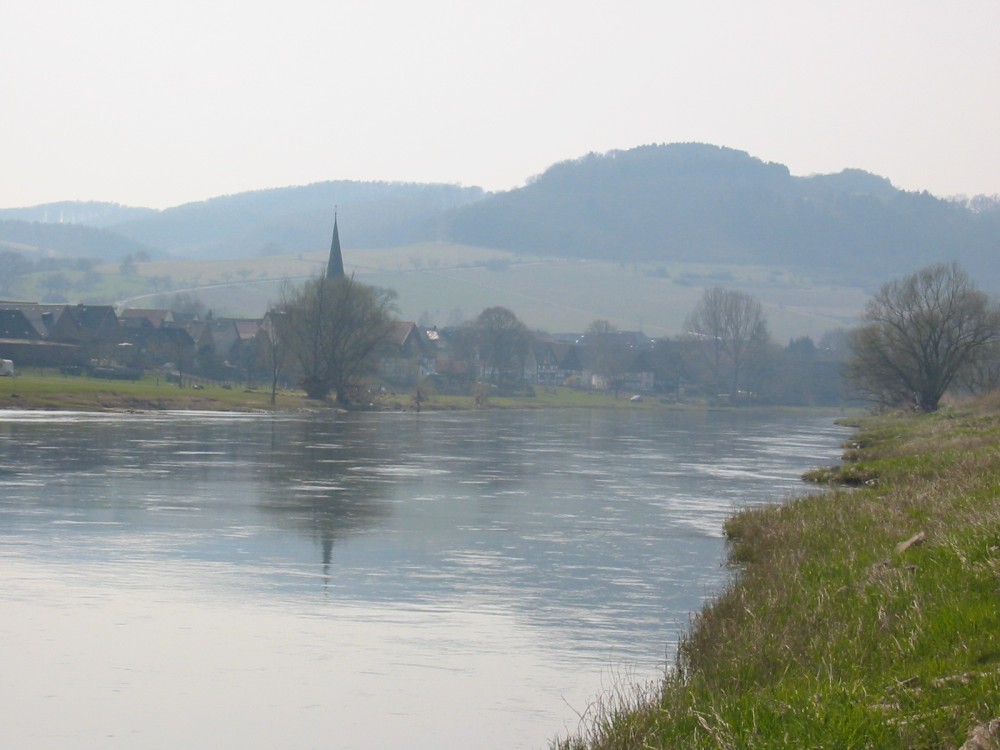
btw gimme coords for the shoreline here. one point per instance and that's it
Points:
(38, 392)
(863, 616)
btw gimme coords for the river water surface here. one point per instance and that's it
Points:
(362, 581)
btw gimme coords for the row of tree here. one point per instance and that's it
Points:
(920, 335)
(14, 265)
(333, 332)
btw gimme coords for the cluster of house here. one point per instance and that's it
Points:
(101, 341)
(97, 337)
(628, 361)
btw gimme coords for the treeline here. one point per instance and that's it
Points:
(921, 336)
(58, 277)
(262, 222)
(98, 214)
(339, 336)
(56, 283)
(298, 219)
(727, 356)
(66, 240)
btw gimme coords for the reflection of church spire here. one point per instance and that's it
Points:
(335, 266)
(327, 543)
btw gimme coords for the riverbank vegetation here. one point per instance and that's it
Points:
(864, 617)
(38, 388)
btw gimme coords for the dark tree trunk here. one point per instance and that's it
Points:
(316, 389)
(342, 398)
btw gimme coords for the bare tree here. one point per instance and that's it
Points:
(503, 342)
(918, 334)
(272, 350)
(610, 353)
(335, 329)
(982, 374)
(187, 303)
(732, 331)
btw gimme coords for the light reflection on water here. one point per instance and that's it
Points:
(427, 580)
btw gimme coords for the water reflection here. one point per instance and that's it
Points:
(571, 539)
(559, 515)
(309, 483)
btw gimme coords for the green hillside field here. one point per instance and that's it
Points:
(446, 284)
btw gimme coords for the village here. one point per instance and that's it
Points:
(193, 348)
(494, 353)
(98, 341)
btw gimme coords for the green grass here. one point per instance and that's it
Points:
(36, 389)
(832, 637)
(47, 389)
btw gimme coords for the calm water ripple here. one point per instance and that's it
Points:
(434, 580)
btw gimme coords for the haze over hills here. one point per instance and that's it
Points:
(679, 202)
(274, 221)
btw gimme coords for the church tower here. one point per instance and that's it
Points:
(335, 266)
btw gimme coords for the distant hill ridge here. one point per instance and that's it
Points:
(692, 202)
(710, 204)
(272, 221)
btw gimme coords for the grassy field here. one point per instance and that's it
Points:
(446, 284)
(863, 618)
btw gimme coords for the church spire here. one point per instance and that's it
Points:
(335, 266)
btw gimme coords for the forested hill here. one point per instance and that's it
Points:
(65, 240)
(686, 202)
(278, 220)
(298, 219)
(705, 203)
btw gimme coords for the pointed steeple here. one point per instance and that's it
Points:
(335, 266)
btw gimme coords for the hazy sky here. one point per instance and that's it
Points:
(160, 103)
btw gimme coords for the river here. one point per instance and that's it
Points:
(439, 580)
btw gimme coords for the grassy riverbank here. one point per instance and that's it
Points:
(866, 617)
(37, 389)
(49, 390)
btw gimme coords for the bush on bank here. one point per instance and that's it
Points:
(864, 617)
